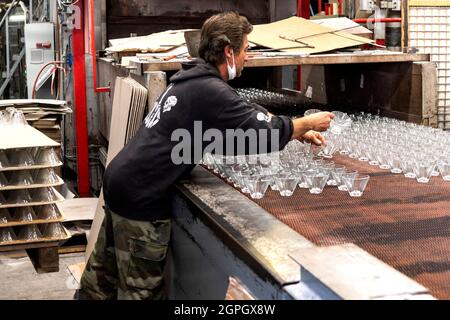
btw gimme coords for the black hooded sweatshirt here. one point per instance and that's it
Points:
(137, 181)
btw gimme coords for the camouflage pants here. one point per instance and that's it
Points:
(128, 260)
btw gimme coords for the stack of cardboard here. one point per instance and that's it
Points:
(129, 106)
(43, 114)
(28, 160)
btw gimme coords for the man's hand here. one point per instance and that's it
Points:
(319, 121)
(314, 137)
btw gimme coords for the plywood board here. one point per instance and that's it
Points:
(59, 198)
(60, 182)
(40, 240)
(41, 166)
(352, 273)
(78, 209)
(24, 137)
(25, 223)
(291, 34)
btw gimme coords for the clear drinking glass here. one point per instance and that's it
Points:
(356, 184)
(316, 181)
(444, 169)
(346, 174)
(286, 184)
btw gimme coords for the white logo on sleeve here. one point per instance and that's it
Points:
(155, 114)
(263, 117)
(170, 103)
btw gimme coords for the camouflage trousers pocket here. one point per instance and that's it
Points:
(146, 265)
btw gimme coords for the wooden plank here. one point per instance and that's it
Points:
(44, 166)
(29, 244)
(429, 92)
(352, 273)
(59, 198)
(44, 259)
(272, 61)
(60, 182)
(25, 223)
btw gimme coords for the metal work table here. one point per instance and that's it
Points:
(230, 235)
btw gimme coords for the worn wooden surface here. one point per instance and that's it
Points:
(269, 61)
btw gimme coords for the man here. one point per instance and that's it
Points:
(130, 253)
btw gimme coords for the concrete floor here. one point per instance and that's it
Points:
(20, 281)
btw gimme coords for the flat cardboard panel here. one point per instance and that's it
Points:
(130, 101)
(343, 23)
(322, 38)
(24, 137)
(155, 42)
(78, 209)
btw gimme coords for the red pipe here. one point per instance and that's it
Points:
(303, 9)
(79, 86)
(319, 6)
(339, 7)
(362, 20)
(303, 12)
(92, 51)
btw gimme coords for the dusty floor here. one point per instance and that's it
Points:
(20, 281)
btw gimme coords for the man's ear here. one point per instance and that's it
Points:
(228, 51)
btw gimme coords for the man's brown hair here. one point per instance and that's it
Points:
(220, 30)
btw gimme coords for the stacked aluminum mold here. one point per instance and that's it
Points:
(28, 211)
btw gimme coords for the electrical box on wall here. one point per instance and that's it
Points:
(40, 50)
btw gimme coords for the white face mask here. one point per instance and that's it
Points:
(231, 70)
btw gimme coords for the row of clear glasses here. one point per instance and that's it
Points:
(416, 151)
(284, 171)
(32, 232)
(22, 214)
(27, 157)
(265, 97)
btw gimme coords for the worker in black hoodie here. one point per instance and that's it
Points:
(130, 253)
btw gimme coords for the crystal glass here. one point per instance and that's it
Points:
(356, 184)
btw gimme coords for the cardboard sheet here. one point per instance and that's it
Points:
(155, 42)
(296, 34)
(78, 209)
(344, 24)
(129, 105)
(24, 137)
